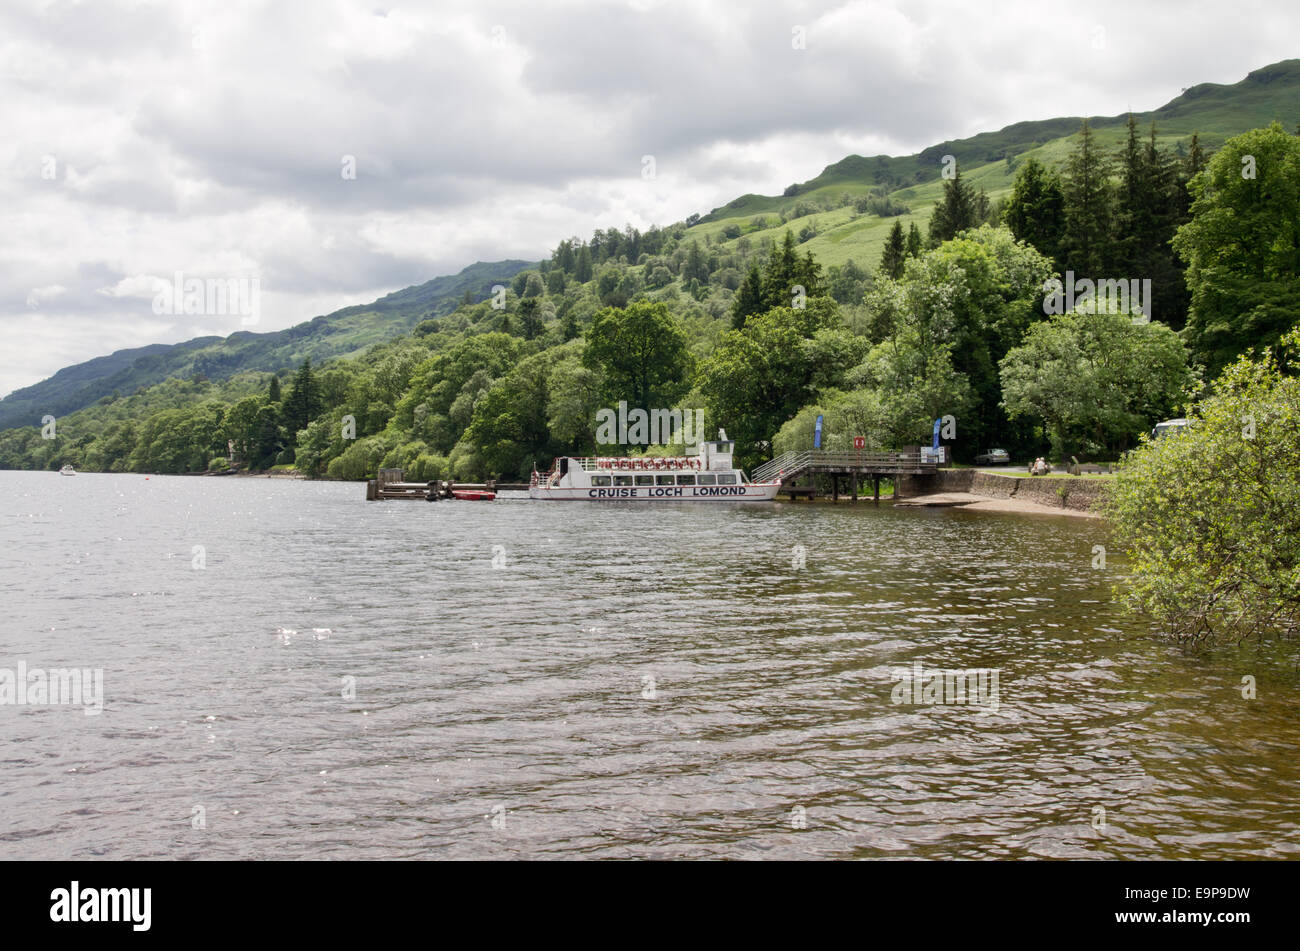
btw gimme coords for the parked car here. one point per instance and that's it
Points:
(994, 457)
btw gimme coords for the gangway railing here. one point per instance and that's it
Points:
(789, 465)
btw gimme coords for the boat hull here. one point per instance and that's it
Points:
(749, 492)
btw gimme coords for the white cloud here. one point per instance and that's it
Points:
(39, 295)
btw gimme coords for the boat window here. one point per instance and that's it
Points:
(664, 480)
(726, 478)
(686, 479)
(622, 480)
(645, 480)
(708, 478)
(600, 480)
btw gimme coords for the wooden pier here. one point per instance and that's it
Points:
(391, 485)
(854, 466)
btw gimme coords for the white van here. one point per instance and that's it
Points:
(1168, 428)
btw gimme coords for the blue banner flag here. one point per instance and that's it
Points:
(817, 433)
(935, 444)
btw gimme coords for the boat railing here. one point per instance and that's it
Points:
(596, 463)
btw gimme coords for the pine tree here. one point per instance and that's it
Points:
(528, 315)
(783, 273)
(895, 253)
(810, 276)
(273, 391)
(1035, 212)
(957, 211)
(583, 269)
(1134, 206)
(915, 244)
(749, 298)
(303, 399)
(1087, 192)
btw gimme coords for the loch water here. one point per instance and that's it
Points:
(290, 671)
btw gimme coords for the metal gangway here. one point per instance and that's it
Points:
(791, 465)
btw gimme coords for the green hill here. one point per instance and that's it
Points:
(343, 333)
(1215, 112)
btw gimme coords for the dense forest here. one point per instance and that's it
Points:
(954, 321)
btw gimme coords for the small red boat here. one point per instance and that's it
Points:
(473, 495)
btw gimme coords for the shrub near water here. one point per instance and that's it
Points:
(1211, 516)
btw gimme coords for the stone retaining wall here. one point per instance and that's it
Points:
(1081, 495)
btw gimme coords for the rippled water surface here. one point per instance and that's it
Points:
(634, 681)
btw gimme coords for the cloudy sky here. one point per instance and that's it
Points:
(217, 141)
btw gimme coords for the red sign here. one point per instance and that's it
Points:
(859, 442)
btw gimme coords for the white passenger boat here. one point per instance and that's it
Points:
(67, 470)
(706, 477)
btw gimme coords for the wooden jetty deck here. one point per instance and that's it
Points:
(854, 466)
(391, 485)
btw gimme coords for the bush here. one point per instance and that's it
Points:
(1210, 516)
(428, 466)
(359, 461)
(219, 464)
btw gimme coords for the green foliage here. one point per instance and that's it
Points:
(1151, 203)
(895, 254)
(1242, 246)
(786, 280)
(1210, 517)
(642, 353)
(361, 460)
(510, 430)
(845, 415)
(847, 283)
(957, 211)
(1089, 206)
(1097, 381)
(1035, 212)
(303, 402)
(759, 376)
(958, 310)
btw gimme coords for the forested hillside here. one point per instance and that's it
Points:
(343, 333)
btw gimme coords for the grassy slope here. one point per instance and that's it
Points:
(1216, 112)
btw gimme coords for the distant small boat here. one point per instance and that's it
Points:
(473, 495)
(67, 470)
